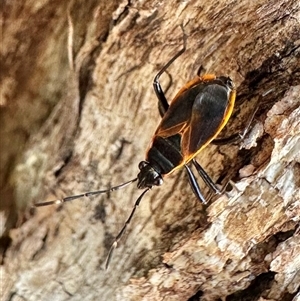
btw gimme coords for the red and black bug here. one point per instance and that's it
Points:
(191, 121)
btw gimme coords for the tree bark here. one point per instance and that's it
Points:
(77, 114)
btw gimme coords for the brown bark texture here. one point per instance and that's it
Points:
(77, 114)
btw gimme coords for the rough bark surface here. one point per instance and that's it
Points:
(77, 114)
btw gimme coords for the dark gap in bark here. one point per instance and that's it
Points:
(255, 290)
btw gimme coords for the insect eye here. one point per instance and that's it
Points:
(158, 181)
(142, 164)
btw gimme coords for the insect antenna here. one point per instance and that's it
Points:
(86, 194)
(118, 237)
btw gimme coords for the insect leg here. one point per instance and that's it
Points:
(163, 103)
(237, 137)
(163, 106)
(206, 178)
(200, 70)
(195, 186)
(231, 139)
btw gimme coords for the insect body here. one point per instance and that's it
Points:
(193, 119)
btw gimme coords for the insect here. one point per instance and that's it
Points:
(191, 121)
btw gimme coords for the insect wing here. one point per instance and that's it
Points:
(208, 111)
(198, 115)
(178, 115)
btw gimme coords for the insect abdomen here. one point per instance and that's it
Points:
(165, 153)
